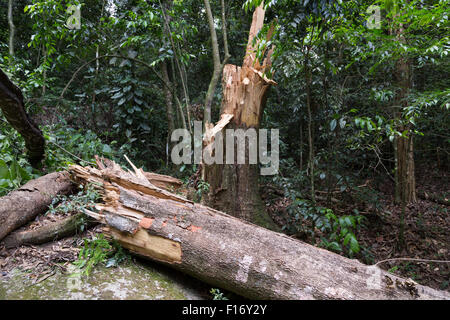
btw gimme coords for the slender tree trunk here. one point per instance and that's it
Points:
(310, 138)
(404, 148)
(301, 144)
(406, 182)
(218, 66)
(169, 102)
(234, 188)
(44, 82)
(12, 28)
(174, 48)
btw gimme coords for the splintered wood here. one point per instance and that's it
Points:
(225, 251)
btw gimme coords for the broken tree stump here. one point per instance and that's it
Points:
(231, 253)
(24, 204)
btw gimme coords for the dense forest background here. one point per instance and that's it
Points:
(363, 111)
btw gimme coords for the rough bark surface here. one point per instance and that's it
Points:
(24, 204)
(228, 252)
(11, 103)
(405, 183)
(234, 187)
(51, 232)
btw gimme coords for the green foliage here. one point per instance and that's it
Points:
(99, 250)
(341, 233)
(14, 167)
(67, 146)
(84, 199)
(202, 188)
(116, 106)
(337, 233)
(393, 269)
(217, 295)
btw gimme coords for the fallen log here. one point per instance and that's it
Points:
(24, 204)
(50, 232)
(230, 253)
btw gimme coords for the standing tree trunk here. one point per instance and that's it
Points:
(234, 187)
(169, 106)
(405, 178)
(11, 28)
(218, 66)
(168, 32)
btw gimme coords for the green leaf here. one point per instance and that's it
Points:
(354, 245)
(4, 171)
(106, 149)
(347, 239)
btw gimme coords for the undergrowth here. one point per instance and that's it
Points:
(99, 251)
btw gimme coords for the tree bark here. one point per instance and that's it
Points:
(218, 66)
(169, 104)
(405, 177)
(12, 28)
(234, 188)
(24, 204)
(230, 253)
(11, 103)
(51, 232)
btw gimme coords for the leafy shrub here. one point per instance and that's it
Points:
(337, 233)
(217, 295)
(85, 198)
(341, 233)
(14, 167)
(67, 146)
(97, 251)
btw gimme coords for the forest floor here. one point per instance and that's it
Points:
(427, 233)
(427, 227)
(44, 271)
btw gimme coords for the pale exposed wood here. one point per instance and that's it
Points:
(159, 180)
(224, 120)
(163, 181)
(154, 247)
(211, 131)
(233, 254)
(257, 24)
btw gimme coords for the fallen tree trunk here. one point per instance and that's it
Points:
(228, 252)
(51, 232)
(24, 204)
